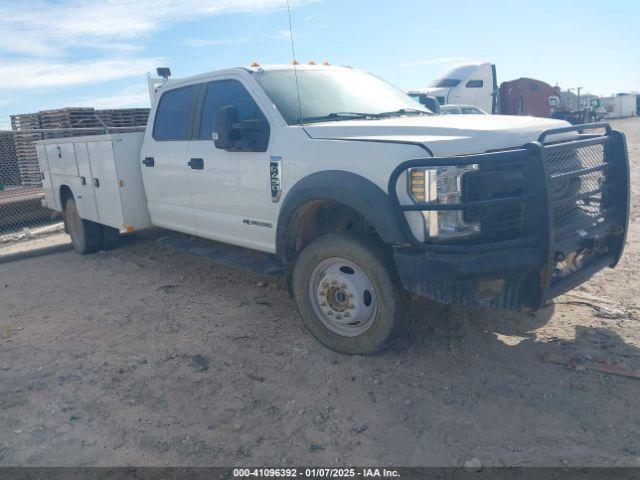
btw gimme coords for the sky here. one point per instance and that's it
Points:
(60, 53)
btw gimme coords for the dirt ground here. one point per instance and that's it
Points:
(148, 356)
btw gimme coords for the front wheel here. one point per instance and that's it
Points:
(348, 293)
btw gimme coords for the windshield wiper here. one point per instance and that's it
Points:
(351, 115)
(339, 116)
(404, 111)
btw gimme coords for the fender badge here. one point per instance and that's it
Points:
(275, 178)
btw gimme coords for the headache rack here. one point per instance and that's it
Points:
(566, 200)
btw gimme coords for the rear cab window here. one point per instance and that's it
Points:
(174, 114)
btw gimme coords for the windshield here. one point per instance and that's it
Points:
(471, 110)
(334, 94)
(446, 83)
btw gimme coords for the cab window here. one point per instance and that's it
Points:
(174, 113)
(475, 84)
(224, 93)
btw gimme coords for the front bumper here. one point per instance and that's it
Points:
(507, 279)
(555, 252)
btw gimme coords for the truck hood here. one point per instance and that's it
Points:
(444, 135)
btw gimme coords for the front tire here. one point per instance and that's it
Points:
(86, 236)
(348, 293)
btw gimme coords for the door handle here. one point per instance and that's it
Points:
(96, 182)
(149, 162)
(196, 163)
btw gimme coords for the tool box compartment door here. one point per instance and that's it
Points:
(105, 182)
(85, 196)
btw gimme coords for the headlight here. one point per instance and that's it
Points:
(441, 185)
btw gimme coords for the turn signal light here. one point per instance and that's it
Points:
(417, 184)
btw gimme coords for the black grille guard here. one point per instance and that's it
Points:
(606, 229)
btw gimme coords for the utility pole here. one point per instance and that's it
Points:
(578, 89)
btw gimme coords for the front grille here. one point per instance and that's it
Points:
(578, 183)
(499, 222)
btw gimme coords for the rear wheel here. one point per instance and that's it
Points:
(86, 236)
(348, 293)
(110, 238)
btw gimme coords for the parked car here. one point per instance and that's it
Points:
(461, 110)
(360, 193)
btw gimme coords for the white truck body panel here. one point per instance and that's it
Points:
(103, 173)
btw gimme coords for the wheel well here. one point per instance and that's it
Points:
(65, 194)
(317, 218)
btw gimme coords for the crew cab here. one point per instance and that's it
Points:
(360, 192)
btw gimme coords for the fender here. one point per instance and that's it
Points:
(350, 189)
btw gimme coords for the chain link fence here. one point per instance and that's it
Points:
(21, 185)
(22, 215)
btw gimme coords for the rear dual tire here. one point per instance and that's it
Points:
(87, 236)
(348, 293)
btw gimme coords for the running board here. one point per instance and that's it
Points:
(230, 255)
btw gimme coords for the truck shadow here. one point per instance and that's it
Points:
(518, 335)
(433, 315)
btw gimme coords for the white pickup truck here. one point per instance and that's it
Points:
(360, 193)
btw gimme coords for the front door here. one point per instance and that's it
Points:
(164, 161)
(230, 190)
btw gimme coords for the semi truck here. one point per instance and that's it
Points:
(361, 194)
(474, 83)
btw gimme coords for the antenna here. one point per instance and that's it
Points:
(295, 64)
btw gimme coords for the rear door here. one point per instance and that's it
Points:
(164, 160)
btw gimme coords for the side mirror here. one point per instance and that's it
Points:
(223, 121)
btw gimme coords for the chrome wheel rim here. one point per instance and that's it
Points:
(342, 297)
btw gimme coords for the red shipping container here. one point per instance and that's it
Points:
(526, 96)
